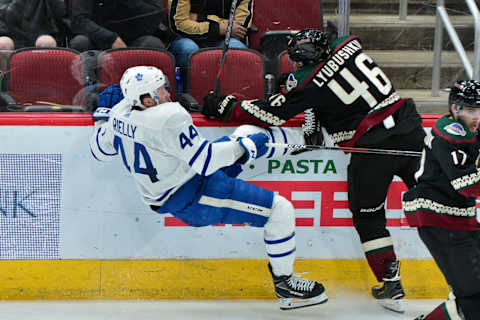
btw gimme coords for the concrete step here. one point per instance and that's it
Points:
(412, 69)
(415, 7)
(388, 32)
(426, 104)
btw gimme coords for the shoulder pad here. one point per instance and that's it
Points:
(297, 77)
(163, 115)
(452, 130)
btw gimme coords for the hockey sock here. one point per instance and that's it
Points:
(279, 236)
(379, 253)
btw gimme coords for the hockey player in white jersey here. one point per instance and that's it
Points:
(180, 172)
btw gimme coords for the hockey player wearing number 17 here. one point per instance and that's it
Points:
(342, 89)
(180, 172)
(443, 204)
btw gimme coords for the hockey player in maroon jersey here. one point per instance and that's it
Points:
(356, 103)
(443, 204)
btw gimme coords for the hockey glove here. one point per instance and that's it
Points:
(101, 114)
(254, 145)
(105, 101)
(110, 96)
(217, 105)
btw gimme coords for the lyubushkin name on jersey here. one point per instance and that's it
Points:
(332, 65)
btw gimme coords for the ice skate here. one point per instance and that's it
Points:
(295, 292)
(391, 293)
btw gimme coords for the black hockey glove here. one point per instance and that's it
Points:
(217, 105)
(312, 131)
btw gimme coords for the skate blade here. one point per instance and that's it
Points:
(393, 305)
(292, 303)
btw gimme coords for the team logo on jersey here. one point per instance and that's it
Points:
(456, 129)
(139, 76)
(291, 82)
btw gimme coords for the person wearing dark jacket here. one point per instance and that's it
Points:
(105, 24)
(29, 23)
(443, 204)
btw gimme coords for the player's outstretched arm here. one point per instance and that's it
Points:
(183, 140)
(275, 111)
(101, 142)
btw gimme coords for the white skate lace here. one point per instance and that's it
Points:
(300, 284)
(308, 126)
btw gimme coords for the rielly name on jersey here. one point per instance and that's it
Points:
(160, 147)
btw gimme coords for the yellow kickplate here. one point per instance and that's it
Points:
(196, 279)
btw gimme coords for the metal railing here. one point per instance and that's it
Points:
(402, 9)
(443, 20)
(344, 15)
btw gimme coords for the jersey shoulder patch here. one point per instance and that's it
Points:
(297, 77)
(452, 130)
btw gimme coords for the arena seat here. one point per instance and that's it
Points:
(52, 77)
(278, 15)
(243, 74)
(112, 64)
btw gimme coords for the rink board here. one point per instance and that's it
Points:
(196, 279)
(75, 228)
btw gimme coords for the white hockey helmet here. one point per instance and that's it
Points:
(141, 80)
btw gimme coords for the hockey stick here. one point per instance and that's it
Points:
(226, 44)
(348, 149)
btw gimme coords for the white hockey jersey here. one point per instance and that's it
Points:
(161, 147)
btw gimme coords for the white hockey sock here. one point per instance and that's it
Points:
(279, 234)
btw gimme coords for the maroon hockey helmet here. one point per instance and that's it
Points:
(308, 46)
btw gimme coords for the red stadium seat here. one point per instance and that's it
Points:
(271, 15)
(48, 76)
(243, 74)
(112, 64)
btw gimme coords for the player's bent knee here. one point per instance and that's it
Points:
(282, 218)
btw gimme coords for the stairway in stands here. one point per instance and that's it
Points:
(404, 49)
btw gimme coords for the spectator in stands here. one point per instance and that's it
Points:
(203, 23)
(29, 23)
(101, 25)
